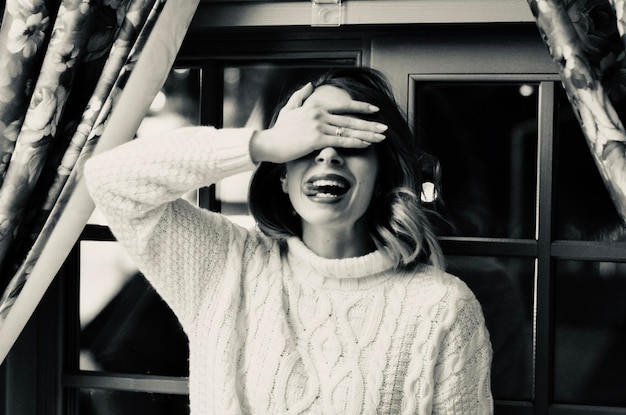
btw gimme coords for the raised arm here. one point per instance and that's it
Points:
(182, 250)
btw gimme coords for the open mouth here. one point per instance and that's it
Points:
(329, 186)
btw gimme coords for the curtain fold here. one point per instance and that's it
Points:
(89, 45)
(65, 67)
(50, 93)
(22, 34)
(62, 168)
(586, 40)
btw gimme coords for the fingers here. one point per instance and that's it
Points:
(297, 98)
(349, 142)
(355, 124)
(351, 106)
(334, 136)
(344, 142)
(356, 130)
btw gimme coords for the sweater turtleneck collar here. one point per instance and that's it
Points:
(343, 273)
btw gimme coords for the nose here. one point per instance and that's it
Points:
(330, 156)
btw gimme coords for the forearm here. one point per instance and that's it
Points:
(146, 173)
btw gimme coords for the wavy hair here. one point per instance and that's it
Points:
(397, 219)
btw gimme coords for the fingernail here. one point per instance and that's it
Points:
(379, 136)
(374, 108)
(381, 127)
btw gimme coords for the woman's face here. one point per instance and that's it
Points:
(332, 187)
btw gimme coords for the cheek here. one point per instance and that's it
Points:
(293, 175)
(293, 189)
(369, 189)
(369, 176)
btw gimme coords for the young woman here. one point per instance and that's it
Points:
(337, 304)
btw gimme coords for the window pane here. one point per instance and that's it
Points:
(485, 136)
(251, 93)
(125, 326)
(590, 335)
(504, 287)
(176, 105)
(107, 402)
(584, 209)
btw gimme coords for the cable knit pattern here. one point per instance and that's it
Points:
(272, 327)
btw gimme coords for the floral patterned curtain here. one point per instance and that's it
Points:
(64, 65)
(587, 40)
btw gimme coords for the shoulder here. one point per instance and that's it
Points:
(240, 244)
(258, 243)
(427, 278)
(441, 292)
(245, 239)
(259, 251)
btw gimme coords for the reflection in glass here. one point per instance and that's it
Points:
(176, 105)
(108, 402)
(504, 287)
(125, 326)
(584, 209)
(485, 136)
(590, 333)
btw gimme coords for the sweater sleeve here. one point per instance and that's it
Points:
(183, 250)
(463, 368)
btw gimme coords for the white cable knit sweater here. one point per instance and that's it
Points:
(283, 331)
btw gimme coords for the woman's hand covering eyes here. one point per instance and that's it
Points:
(300, 130)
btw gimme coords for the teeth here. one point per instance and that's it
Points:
(326, 183)
(327, 187)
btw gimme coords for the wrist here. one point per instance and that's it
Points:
(255, 147)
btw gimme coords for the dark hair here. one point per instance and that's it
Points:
(397, 219)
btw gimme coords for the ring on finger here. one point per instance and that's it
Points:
(340, 131)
